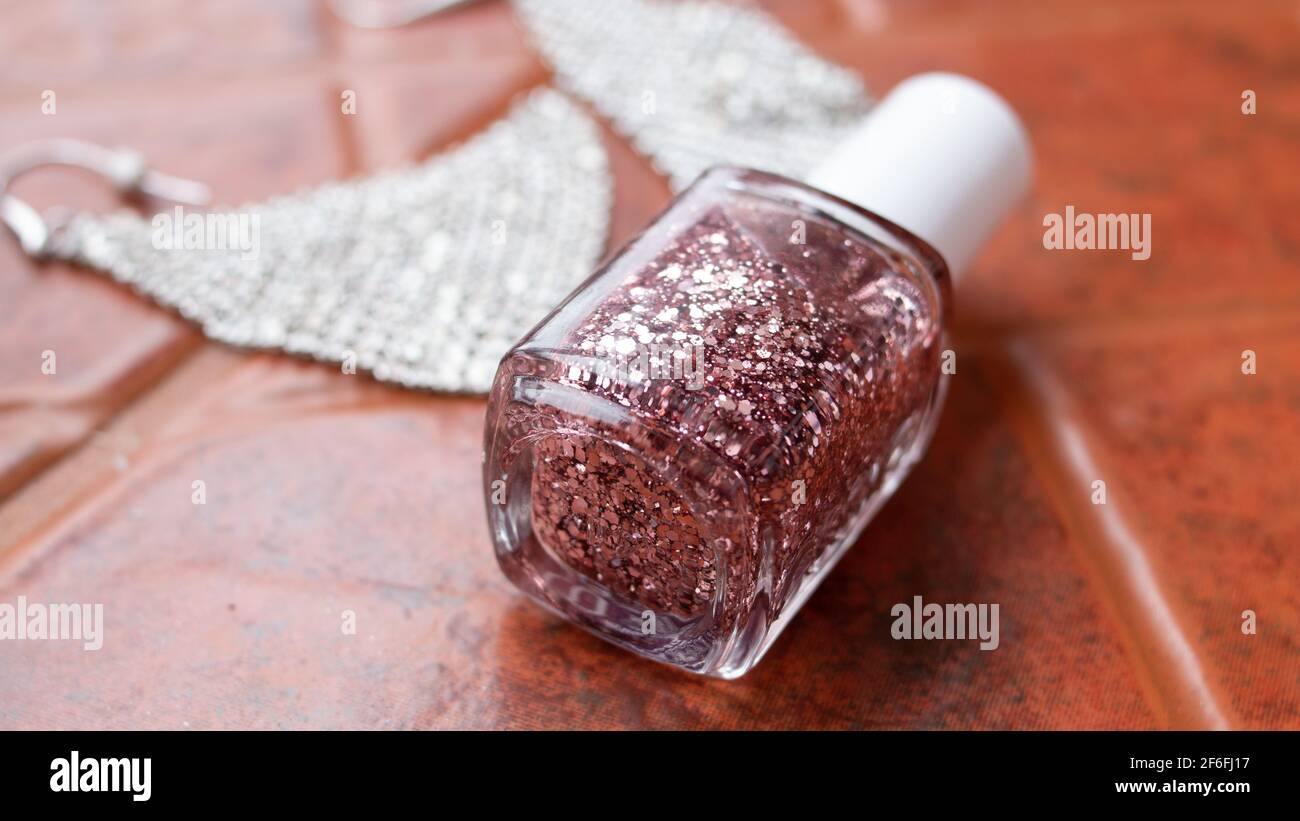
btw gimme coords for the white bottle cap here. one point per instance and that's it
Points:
(942, 155)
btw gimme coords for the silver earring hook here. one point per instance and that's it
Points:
(124, 168)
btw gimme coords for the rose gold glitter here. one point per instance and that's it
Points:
(817, 372)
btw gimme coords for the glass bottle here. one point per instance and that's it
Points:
(682, 450)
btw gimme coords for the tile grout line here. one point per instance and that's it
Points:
(1168, 664)
(136, 384)
(78, 461)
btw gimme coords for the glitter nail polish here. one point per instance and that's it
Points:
(682, 450)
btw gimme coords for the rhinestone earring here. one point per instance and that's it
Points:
(422, 276)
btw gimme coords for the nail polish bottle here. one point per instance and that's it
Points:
(680, 452)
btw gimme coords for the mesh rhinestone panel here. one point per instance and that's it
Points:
(694, 84)
(423, 276)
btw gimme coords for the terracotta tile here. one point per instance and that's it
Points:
(64, 43)
(1199, 459)
(217, 610)
(105, 345)
(1129, 111)
(395, 123)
